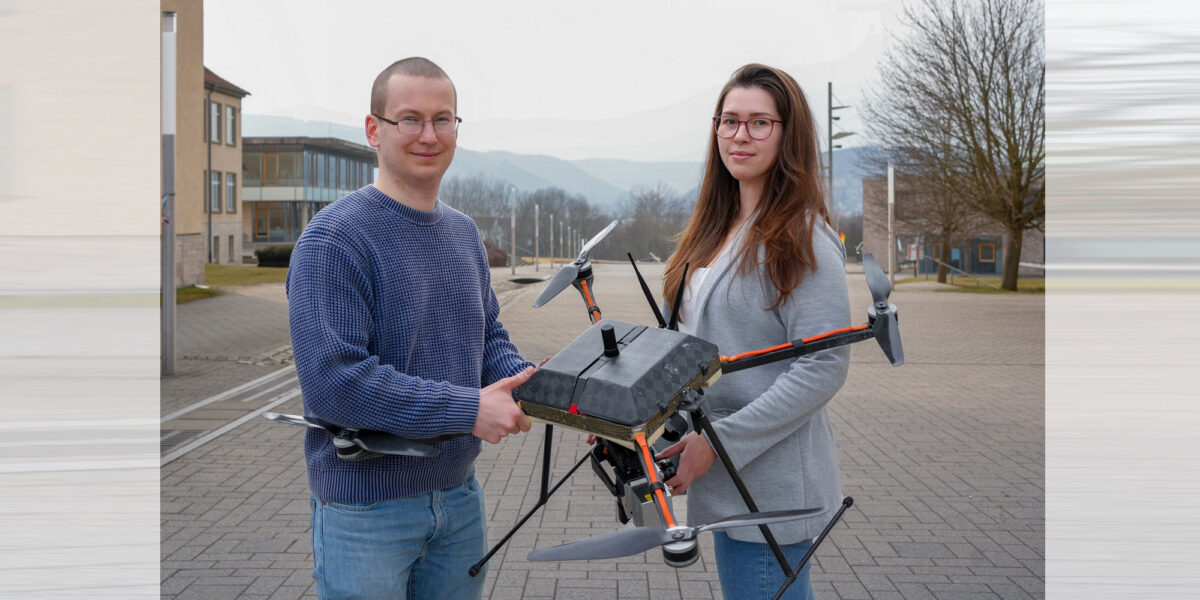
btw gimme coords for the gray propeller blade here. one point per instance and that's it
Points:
(386, 443)
(623, 542)
(886, 327)
(635, 540)
(561, 281)
(876, 280)
(596, 239)
(566, 275)
(762, 518)
(291, 420)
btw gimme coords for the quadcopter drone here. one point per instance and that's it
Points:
(629, 386)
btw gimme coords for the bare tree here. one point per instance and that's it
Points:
(931, 208)
(484, 200)
(960, 108)
(650, 218)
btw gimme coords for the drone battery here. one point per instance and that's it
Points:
(616, 397)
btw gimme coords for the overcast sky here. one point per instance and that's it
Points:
(649, 64)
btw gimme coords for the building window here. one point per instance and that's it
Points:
(270, 171)
(230, 253)
(987, 252)
(260, 220)
(216, 248)
(231, 192)
(230, 128)
(214, 122)
(214, 191)
(291, 168)
(252, 169)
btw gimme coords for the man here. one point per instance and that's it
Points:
(394, 326)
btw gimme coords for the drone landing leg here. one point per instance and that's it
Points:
(543, 497)
(811, 549)
(700, 420)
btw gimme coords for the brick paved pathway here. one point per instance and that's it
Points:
(944, 457)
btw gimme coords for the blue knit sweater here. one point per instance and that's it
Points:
(394, 328)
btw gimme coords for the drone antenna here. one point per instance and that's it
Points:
(674, 325)
(646, 290)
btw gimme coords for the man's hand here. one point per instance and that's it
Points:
(498, 414)
(696, 456)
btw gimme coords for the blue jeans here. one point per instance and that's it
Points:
(418, 547)
(749, 570)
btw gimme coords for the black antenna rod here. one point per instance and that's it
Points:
(674, 325)
(646, 290)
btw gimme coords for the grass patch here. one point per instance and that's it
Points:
(227, 275)
(191, 292)
(1025, 285)
(966, 285)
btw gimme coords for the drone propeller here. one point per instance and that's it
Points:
(291, 420)
(883, 316)
(370, 440)
(386, 443)
(569, 273)
(627, 542)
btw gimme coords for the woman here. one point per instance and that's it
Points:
(766, 269)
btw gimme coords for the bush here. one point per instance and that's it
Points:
(274, 256)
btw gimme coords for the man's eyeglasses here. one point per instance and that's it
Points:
(759, 128)
(414, 126)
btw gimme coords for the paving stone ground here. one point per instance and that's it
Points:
(944, 457)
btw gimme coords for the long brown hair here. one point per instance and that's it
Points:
(791, 205)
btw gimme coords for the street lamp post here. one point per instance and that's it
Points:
(512, 231)
(832, 136)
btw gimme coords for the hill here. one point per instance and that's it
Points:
(603, 181)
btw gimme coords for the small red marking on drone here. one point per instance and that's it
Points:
(574, 409)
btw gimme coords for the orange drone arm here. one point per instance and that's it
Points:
(591, 304)
(648, 465)
(729, 359)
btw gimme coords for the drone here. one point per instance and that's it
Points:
(629, 386)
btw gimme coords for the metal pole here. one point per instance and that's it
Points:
(829, 130)
(208, 170)
(512, 229)
(551, 241)
(537, 240)
(167, 110)
(891, 231)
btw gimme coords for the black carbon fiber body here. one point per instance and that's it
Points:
(616, 397)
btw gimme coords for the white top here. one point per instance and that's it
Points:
(692, 292)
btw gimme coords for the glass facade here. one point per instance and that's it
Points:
(322, 177)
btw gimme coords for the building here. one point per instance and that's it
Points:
(980, 252)
(222, 172)
(286, 180)
(190, 232)
(208, 113)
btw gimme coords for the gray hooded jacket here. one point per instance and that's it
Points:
(772, 418)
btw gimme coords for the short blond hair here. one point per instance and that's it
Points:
(416, 66)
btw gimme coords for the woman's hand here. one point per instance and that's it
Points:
(695, 458)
